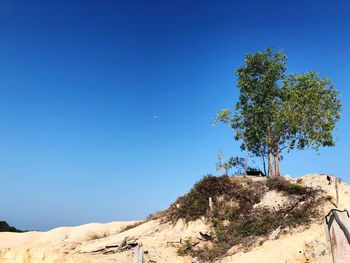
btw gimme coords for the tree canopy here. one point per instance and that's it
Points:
(276, 111)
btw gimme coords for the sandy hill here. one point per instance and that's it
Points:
(252, 220)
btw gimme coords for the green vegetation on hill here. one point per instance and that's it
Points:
(277, 111)
(5, 227)
(235, 217)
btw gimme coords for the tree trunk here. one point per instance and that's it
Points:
(263, 158)
(269, 145)
(275, 154)
(270, 163)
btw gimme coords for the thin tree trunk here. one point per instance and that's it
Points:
(275, 154)
(271, 174)
(269, 145)
(246, 164)
(264, 163)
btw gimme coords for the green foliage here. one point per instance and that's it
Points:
(310, 109)
(276, 111)
(235, 219)
(282, 185)
(5, 227)
(156, 215)
(258, 82)
(238, 163)
(221, 189)
(233, 162)
(221, 165)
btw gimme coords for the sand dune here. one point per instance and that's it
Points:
(87, 243)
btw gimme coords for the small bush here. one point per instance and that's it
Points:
(282, 185)
(195, 204)
(131, 226)
(234, 218)
(186, 248)
(156, 215)
(94, 236)
(5, 227)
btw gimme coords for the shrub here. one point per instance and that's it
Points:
(235, 219)
(5, 227)
(282, 185)
(95, 235)
(194, 205)
(131, 226)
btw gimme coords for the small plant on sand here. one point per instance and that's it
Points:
(156, 215)
(282, 185)
(131, 226)
(235, 218)
(222, 189)
(95, 235)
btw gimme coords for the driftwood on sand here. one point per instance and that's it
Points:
(126, 244)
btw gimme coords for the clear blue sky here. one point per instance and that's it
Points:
(105, 106)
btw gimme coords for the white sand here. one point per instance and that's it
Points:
(76, 244)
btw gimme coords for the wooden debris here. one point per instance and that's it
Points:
(126, 244)
(174, 242)
(123, 243)
(138, 254)
(205, 237)
(286, 229)
(275, 233)
(98, 250)
(190, 246)
(210, 204)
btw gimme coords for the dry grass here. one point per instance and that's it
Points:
(95, 236)
(234, 218)
(128, 227)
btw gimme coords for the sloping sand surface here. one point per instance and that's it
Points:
(87, 243)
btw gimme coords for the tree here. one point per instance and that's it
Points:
(233, 162)
(277, 112)
(221, 165)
